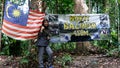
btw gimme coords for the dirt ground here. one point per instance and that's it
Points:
(91, 61)
(95, 61)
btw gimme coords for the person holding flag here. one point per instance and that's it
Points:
(43, 39)
(43, 45)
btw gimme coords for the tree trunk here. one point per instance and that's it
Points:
(119, 26)
(81, 8)
(38, 5)
(89, 6)
(106, 6)
(1, 14)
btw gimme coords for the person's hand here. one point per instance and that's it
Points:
(48, 37)
(42, 28)
(35, 40)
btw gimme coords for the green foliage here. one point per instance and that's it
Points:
(5, 51)
(6, 44)
(63, 60)
(60, 6)
(14, 47)
(113, 52)
(119, 1)
(111, 46)
(64, 46)
(24, 60)
(66, 58)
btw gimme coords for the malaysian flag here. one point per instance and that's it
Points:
(21, 23)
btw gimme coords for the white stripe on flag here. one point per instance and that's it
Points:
(35, 21)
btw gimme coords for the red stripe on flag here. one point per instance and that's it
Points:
(35, 15)
(19, 26)
(18, 36)
(23, 31)
(35, 22)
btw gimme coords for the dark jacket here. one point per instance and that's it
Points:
(42, 39)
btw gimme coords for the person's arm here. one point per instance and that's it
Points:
(42, 28)
(41, 31)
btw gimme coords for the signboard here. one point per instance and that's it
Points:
(79, 27)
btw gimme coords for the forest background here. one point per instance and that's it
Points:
(111, 47)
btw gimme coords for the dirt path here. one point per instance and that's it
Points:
(9, 62)
(93, 61)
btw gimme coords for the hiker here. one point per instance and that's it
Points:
(43, 45)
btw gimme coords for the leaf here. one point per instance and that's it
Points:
(24, 60)
(2, 53)
(118, 1)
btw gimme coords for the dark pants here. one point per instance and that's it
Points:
(48, 50)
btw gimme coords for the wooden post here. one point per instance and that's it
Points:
(81, 8)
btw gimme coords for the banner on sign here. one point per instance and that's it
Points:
(79, 27)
